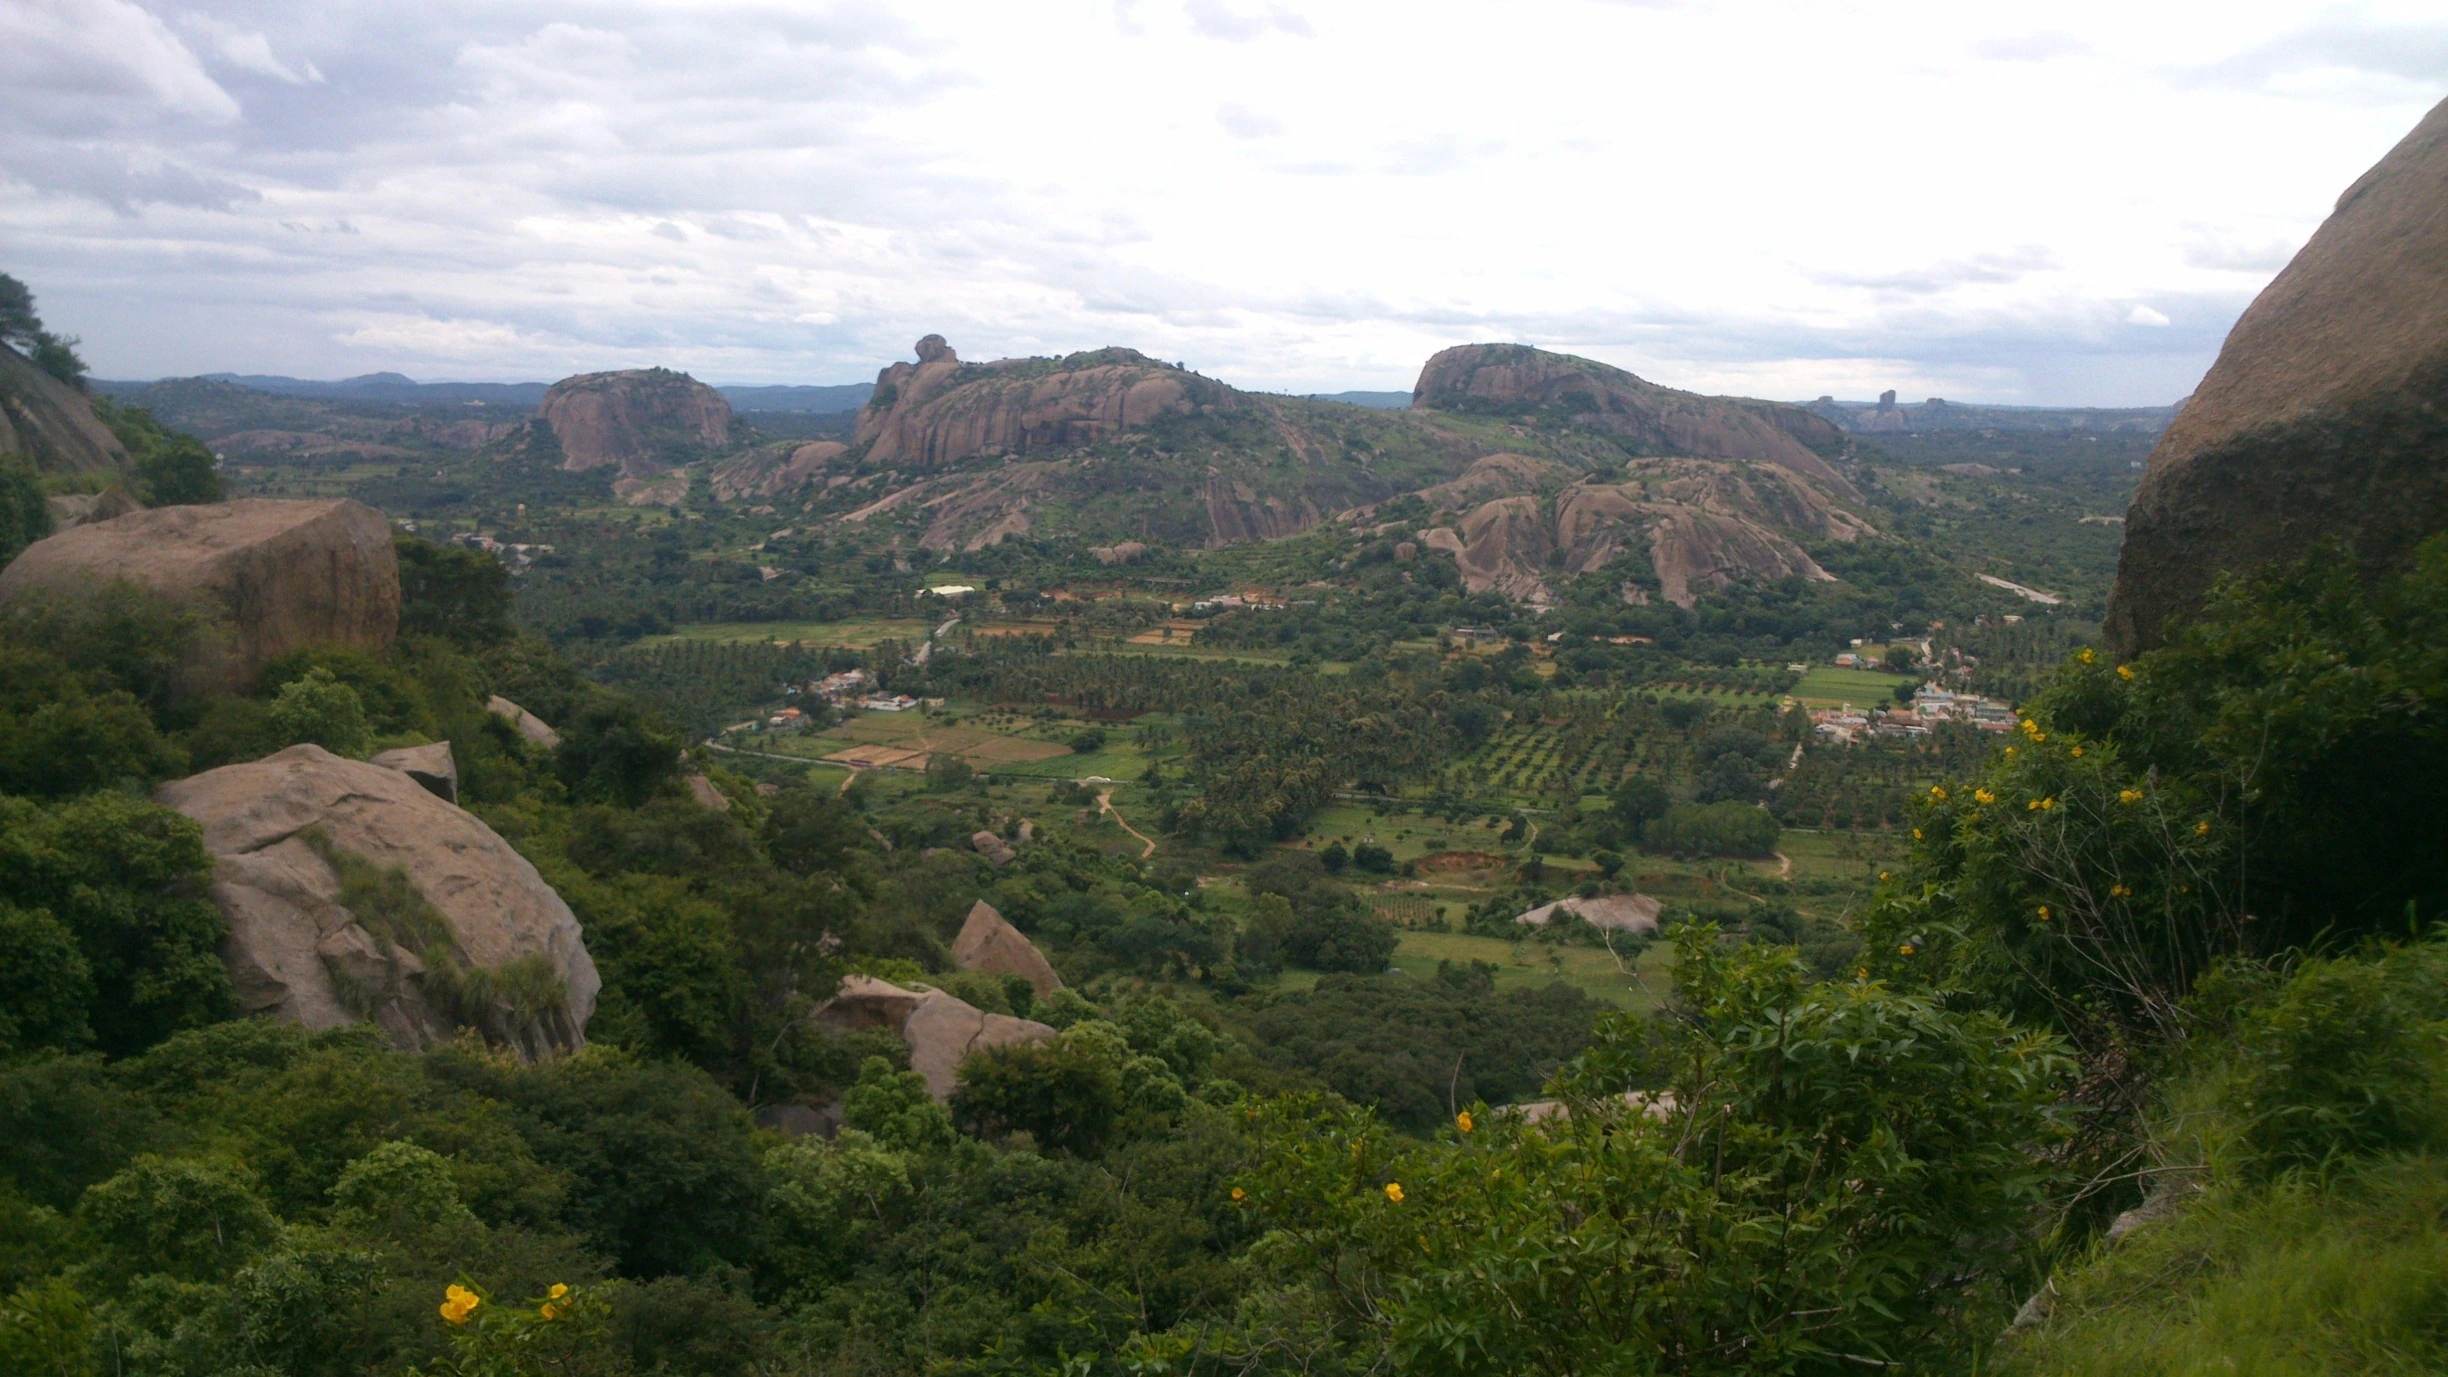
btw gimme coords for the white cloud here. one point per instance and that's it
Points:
(252, 52)
(2144, 315)
(1778, 196)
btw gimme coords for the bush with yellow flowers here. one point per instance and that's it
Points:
(2271, 779)
(1785, 1174)
(559, 1333)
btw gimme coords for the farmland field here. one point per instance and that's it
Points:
(1826, 686)
(862, 634)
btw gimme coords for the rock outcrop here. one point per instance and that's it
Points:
(531, 728)
(773, 470)
(643, 420)
(430, 765)
(1703, 524)
(51, 424)
(1615, 912)
(939, 410)
(994, 849)
(1515, 379)
(353, 894)
(269, 577)
(2325, 417)
(72, 509)
(989, 943)
(940, 1031)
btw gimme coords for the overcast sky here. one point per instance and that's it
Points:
(2061, 204)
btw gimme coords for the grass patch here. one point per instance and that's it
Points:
(1827, 686)
(865, 633)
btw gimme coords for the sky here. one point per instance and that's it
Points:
(2061, 204)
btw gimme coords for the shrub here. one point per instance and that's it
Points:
(1713, 829)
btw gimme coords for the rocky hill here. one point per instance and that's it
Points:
(2326, 415)
(643, 420)
(50, 423)
(1515, 525)
(1649, 420)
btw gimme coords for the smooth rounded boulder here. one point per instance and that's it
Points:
(2325, 418)
(941, 1031)
(267, 577)
(353, 894)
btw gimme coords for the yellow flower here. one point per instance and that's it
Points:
(458, 1303)
(558, 1291)
(1462, 1121)
(1394, 1192)
(1862, 974)
(2010, 750)
(2125, 671)
(2201, 829)
(1240, 1194)
(2129, 796)
(1884, 877)
(1983, 795)
(2078, 752)
(2044, 913)
(2086, 657)
(549, 1310)
(1938, 792)
(2118, 891)
(1905, 950)
(1916, 834)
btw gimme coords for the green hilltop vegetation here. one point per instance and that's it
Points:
(1925, 1023)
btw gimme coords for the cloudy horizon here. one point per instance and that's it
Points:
(1773, 198)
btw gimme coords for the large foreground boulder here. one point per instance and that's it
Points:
(268, 577)
(988, 943)
(2326, 415)
(354, 894)
(940, 1031)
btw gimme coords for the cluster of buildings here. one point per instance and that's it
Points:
(1929, 708)
(1229, 602)
(857, 688)
(518, 554)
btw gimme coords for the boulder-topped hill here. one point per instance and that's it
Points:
(2325, 416)
(52, 425)
(643, 420)
(940, 410)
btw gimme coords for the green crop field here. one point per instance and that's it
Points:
(862, 634)
(1827, 685)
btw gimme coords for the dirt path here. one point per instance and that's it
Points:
(847, 780)
(1784, 866)
(1105, 805)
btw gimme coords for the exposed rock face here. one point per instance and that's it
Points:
(773, 470)
(517, 967)
(85, 508)
(1517, 379)
(1237, 512)
(644, 420)
(270, 577)
(939, 409)
(703, 791)
(989, 943)
(1127, 552)
(940, 1031)
(530, 726)
(52, 424)
(430, 765)
(2326, 415)
(996, 851)
(1704, 524)
(1617, 912)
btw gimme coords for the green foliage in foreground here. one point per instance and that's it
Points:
(2313, 1121)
